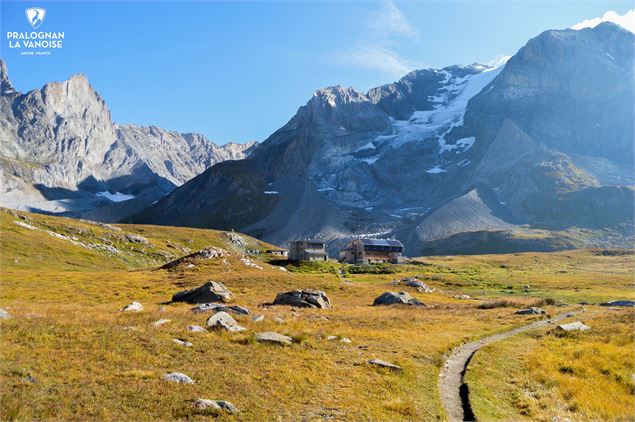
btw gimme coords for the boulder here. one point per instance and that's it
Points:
(619, 303)
(219, 307)
(384, 364)
(271, 337)
(303, 299)
(530, 311)
(223, 321)
(236, 240)
(133, 307)
(346, 340)
(204, 404)
(417, 284)
(211, 291)
(4, 314)
(135, 238)
(258, 318)
(573, 326)
(178, 377)
(392, 298)
(196, 329)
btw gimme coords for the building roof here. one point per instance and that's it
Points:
(307, 241)
(381, 242)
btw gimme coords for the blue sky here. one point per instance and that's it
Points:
(239, 70)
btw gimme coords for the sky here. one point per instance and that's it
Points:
(237, 71)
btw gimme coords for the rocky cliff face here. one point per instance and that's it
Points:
(536, 144)
(61, 152)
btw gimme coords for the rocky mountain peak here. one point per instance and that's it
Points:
(5, 83)
(338, 95)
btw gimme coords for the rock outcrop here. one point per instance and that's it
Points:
(211, 291)
(303, 299)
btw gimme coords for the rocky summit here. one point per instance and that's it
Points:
(464, 159)
(62, 153)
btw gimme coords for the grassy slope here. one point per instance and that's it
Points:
(67, 333)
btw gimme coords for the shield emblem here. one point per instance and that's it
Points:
(35, 16)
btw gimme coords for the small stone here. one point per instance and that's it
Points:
(224, 321)
(331, 338)
(346, 340)
(160, 322)
(573, 326)
(258, 318)
(196, 329)
(182, 342)
(133, 307)
(463, 297)
(4, 314)
(203, 404)
(279, 320)
(271, 337)
(218, 307)
(384, 364)
(178, 377)
(130, 328)
(530, 311)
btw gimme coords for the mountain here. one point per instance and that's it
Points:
(60, 152)
(541, 148)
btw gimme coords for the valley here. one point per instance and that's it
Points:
(68, 352)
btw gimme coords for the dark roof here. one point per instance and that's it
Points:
(381, 242)
(307, 241)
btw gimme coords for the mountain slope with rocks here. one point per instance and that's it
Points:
(60, 152)
(547, 139)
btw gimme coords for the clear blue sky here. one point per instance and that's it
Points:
(239, 70)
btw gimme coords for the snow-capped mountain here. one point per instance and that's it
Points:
(533, 154)
(60, 152)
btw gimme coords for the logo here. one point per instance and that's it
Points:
(35, 16)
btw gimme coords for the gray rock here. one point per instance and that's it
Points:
(236, 239)
(133, 307)
(196, 329)
(135, 238)
(203, 404)
(392, 298)
(573, 326)
(211, 291)
(384, 364)
(218, 307)
(258, 318)
(627, 303)
(223, 321)
(303, 299)
(178, 378)
(271, 337)
(182, 342)
(530, 311)
(346, 340)
(4, 314)
(417, 284)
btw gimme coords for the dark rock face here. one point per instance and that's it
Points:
(303, 299)
(530, 311)
(211, 291)
(392, 298)
(628, 303)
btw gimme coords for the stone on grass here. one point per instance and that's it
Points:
(196, 329)
(178, 378)
(384, 364)
(160, 322)
(4, 314)
(305, 298)
(135, 238)
(182, 342)
(417, 284)
(211, 291)
(258, 318)
(346, 340)
(271, 337)
(619, 303)
(132, 307)
(530, 311)
(392, 298)
(204, 404)
(223, 321)
(219, 307)
(573, 326)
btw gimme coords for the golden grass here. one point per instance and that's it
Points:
(66, 331)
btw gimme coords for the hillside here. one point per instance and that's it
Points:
(63, 285)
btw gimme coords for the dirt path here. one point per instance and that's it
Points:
(453, 390)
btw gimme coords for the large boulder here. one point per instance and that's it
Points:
(573, 326)
(219, 307)
(417, 284)
(211, 291)
(392, 298)
(303, 299)
(619, 303)
(223, 321)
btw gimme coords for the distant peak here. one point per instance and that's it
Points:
(335, 95)
(5, 83)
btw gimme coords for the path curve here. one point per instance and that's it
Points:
(452, 388)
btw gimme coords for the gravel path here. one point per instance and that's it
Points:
(452, 388)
